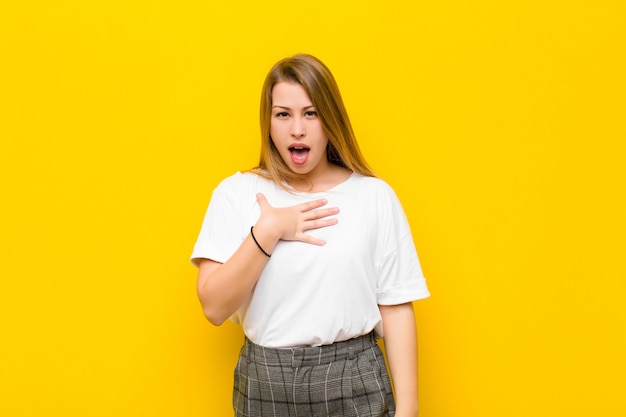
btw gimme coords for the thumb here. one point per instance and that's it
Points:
(260, 198)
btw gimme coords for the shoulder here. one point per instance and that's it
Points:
(239, 187)
(380, 196)
(373, 185)
(241, 181)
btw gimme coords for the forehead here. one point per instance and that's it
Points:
(290, 94)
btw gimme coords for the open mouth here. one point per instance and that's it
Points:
(299, 154)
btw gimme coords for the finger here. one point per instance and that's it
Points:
(312, 205)
(318, 224)
(312, 240)
(262, 200)
(318, 214)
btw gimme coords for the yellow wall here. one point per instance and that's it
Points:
(501, 124)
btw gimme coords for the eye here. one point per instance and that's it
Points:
(281, 114)
(310, 113)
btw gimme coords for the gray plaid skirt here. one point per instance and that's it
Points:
(345, 379)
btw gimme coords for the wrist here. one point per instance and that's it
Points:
(264, 237)
(406, 405)
(406, 411)
(258, 244)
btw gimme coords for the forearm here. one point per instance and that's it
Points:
(400, 337)
(223, 288)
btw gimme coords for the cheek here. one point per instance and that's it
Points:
(276, 131)
(320, 130)
(275, 141)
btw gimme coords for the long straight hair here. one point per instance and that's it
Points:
(321, 87)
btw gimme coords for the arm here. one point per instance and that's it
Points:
(400, 337)
(223, 288)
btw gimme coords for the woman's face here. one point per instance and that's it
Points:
(297, 131)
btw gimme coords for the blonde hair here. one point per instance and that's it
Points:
(321, 87)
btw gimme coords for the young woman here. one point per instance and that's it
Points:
(313, 256)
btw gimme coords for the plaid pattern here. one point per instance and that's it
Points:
(345, 379)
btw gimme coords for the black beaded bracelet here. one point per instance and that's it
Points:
(257, 243)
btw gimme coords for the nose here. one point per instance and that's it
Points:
(297, 128)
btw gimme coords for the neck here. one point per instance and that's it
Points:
(318, 182)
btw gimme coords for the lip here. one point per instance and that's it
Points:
(299, 153)
(298, 145)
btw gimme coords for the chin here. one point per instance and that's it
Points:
(299, 170)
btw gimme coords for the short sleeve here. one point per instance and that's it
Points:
(221, 232)
(400, 277)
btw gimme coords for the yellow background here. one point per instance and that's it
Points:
(501, 125)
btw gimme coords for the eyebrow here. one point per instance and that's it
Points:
(289, 108)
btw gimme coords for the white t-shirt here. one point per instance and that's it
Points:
(310, 295)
